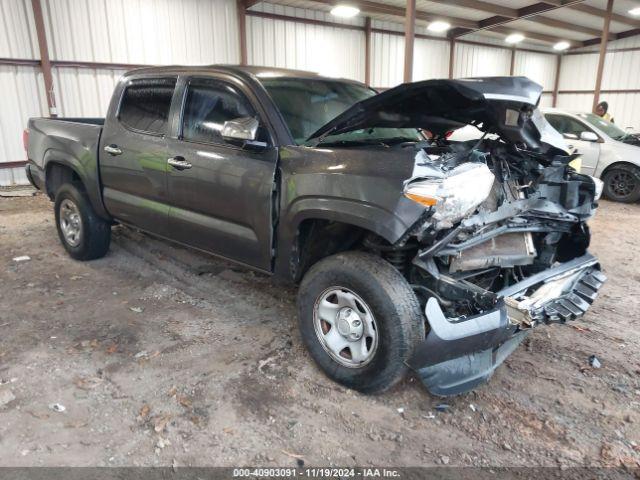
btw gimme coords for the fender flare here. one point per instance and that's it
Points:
(388, 225)
(90, 180)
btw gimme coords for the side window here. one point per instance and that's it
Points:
(564, 124)
(208, 105)
(145, 105)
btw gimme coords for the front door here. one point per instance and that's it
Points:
(221, 191)
(571, 129)
(133, 155)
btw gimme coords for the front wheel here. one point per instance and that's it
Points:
(84, 235)
(360, 320)
(622, 184)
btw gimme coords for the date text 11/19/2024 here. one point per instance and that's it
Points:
(316, 472)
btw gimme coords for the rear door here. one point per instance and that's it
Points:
(221, 191)
(571, 128)
(133, 155)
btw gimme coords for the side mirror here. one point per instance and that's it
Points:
(570, 136)
(245, 128)
(589, 137)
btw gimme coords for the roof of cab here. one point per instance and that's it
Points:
(239, 70)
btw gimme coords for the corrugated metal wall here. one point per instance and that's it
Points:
(17, 35)
(387, 59)
(205, 31)
(621, 72)
(154, 32)
(539, 67)
(430, 59)
(331, 51)
(84, 92)
(21, 86)
(480, 61)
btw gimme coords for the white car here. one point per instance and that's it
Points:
(607, 151)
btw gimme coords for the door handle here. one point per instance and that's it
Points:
(113, 149)
(179, 163)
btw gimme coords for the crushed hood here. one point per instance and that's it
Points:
(502, 105)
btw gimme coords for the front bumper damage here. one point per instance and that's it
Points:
(457, 356)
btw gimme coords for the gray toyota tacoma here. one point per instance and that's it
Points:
(411, 251)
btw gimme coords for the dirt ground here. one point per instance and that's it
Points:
(163, 356)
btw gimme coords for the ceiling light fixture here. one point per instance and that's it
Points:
(635, 11)
(345, 11)
(514, 38)
(438, 26)
(561, 46)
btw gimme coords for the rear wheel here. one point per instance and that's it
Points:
(360, 320)
(622, 184)
(83, 234)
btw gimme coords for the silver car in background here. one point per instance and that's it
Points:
(607, 151)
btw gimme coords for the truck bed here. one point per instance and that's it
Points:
(71, 141)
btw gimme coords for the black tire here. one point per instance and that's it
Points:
(622, 184)
(400, 323)
(95, 234)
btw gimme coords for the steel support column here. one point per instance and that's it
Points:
(367, 51)
(241, 7)
(603, 52)
(409, 39)
(45, 63)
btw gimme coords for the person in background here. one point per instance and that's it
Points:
(602, 111)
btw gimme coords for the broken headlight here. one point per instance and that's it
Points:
(455, 195)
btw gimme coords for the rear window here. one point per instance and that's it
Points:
(145, 105)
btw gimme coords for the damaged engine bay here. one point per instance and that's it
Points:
(497, 215)
(499, 243)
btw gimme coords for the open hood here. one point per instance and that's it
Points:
(505, 106)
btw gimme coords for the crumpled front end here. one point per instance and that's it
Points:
(459, 355)
(501, 249)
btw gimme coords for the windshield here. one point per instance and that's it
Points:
(306, 104)
(609, 128)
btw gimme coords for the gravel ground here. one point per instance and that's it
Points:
(162, 356)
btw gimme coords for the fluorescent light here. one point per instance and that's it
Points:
(345, 11)
(514, 38)
(635, 11)
(561, 45)
(438, 26)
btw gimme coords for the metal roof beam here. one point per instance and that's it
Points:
(480, 6)
(552, 22)
(528, 13)
(597, 12)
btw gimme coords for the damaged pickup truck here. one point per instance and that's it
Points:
(410, 250)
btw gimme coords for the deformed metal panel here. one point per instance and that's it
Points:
(189, 32)
(26, 99)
